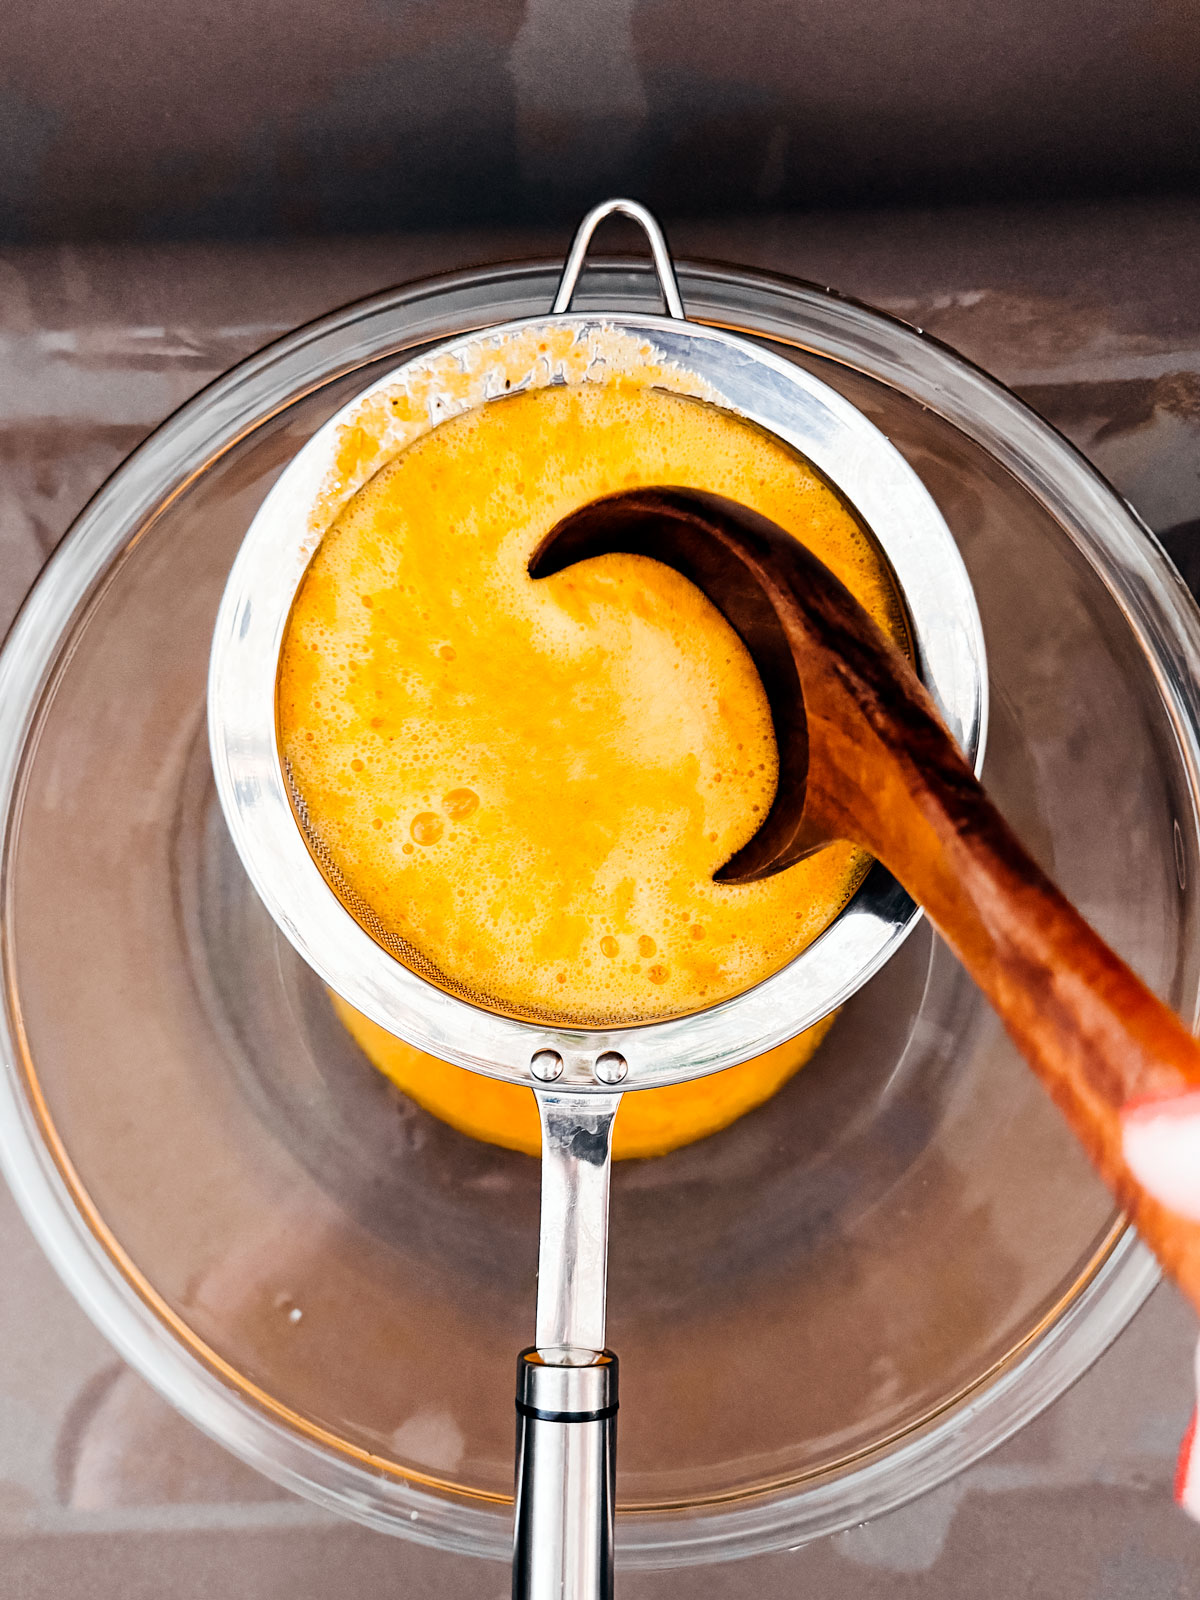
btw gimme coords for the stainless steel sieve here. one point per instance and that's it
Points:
(567, 1381)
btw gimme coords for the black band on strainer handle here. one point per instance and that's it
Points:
(566, 1478)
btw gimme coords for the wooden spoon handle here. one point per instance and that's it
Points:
(884, 772)
(865, 756)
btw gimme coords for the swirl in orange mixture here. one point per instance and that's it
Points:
(532, 783)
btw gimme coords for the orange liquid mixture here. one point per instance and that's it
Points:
(532, 783)
(649, 1123)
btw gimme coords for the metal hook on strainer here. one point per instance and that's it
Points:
(577, 1067)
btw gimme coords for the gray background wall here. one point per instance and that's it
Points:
(159, 118)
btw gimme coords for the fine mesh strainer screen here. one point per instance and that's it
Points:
(371, 610)
(375, 937)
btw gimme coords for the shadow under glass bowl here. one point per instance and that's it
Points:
(850, 1294)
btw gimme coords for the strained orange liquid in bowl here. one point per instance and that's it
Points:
(650, 1123)
(530, 784)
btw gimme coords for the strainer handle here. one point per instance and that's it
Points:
(663, 265)
(567, 1384)
(566, 1478)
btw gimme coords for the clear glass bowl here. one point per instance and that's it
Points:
(822, 1311)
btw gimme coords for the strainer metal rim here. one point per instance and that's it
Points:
(251, 782)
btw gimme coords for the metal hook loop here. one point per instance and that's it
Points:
(663, 264)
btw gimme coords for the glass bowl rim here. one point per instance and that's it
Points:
(1154, 603)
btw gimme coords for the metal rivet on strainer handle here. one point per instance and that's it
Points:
(567, 1382)
(611, 1067)
(546, 1065)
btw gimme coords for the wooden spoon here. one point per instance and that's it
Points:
(864, 756)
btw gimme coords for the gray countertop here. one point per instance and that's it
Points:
(1091, 311)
